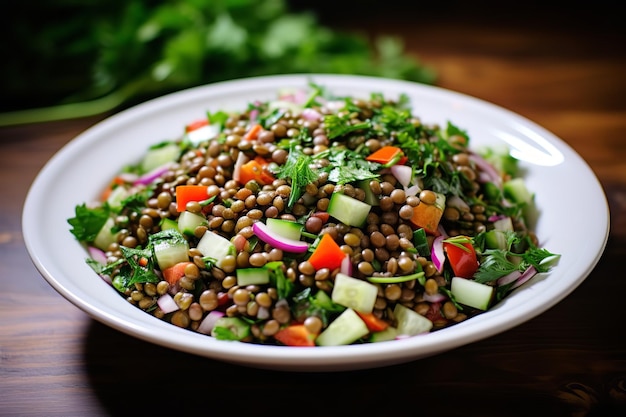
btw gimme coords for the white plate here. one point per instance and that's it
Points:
(81, 169)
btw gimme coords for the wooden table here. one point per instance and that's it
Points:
(565, 72)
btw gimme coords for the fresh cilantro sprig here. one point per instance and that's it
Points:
(297, 169)
(87, 222)
(337, 126)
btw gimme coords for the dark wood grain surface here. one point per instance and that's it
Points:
(564, 69)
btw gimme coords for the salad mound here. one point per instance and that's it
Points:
(315, 220)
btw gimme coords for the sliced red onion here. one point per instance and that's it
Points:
(97, 255)
(207, 324)
(277, 241)
(346, 266)
(311, 114)
(436, 253)
(167, 304)
(149, 177)
(491, 175)
(496, 217)
(263, 313)
(508, 278)
(442, 231)
(241, 159)
(403, 174)
(526, 275)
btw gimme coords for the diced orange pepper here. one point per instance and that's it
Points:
(427, 216)
(384, 155)
(254, 170)
(253, 132)
(174, 273)
(327, 254)
(188, 193)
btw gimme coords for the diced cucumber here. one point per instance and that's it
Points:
(472, 293)
(188, 222)
(167, 223)
(285, 228)
(170, 248)
(410, 323)
(215, 246)
(105, 236)
(370, 198)
(348, 210)
(495, 239)
(420, 242)
(354, 293)
(345, 329)
(390, 333)
(230, 328)
(252, 276)
(115, 198)
(157, 156)
(324, 300)
(516, 190)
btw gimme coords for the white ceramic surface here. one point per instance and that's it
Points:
(78, 172)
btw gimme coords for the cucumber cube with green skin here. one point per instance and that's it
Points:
(158, 156)
(252, 276)
(354, 293)
(410, 323)
(214, 246)
(347, 328)
(390, 333)
(170, 252)
(285, 228)
(188, 222)
(105, 236)
(348, 210)
(472, 293)
(230, 328)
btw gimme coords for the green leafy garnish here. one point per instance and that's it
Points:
(297, 169)
(88, 221)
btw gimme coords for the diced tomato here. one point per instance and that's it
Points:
(295, 335)
(373, 323)
(462, 260)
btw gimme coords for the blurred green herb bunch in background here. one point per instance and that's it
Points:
(74, 58)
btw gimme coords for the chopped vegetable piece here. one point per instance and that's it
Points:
(462, 256)
(385, 155)
(327, 254)
(189, 193)
(472, 293)
(295, 335)
(253, 132)
(373, 323)
(174, 273)
(427, 216)
(345, 329)
(254, 171)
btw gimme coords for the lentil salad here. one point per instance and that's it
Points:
(296, 217)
